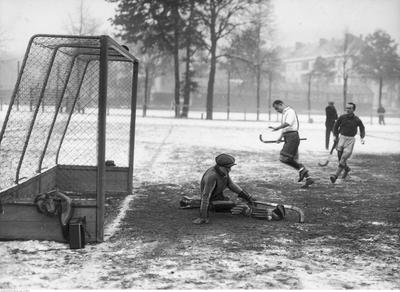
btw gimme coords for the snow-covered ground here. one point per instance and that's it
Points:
(50, 265)
(245, 134)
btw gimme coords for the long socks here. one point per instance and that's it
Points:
(293, 164)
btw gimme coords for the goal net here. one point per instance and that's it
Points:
(55, 113)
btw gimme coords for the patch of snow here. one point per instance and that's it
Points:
(25, 264)
(114, 225)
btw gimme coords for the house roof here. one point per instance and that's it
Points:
(357, 89)
(324, 48)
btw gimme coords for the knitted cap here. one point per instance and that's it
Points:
(225, 160)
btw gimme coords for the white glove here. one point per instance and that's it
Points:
(243, 209)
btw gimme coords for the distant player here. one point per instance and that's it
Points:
(345, 129)
(331, 117)
(381, 114)
(290, 150)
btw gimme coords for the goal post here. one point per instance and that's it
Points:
(70, 125)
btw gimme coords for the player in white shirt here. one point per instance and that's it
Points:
(290, 135)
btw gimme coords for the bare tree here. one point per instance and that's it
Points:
(82, 23)
(379, 59)
(193, 40)
(252, 47)
(154, 23)
(219, 18)
(153, 62)
(322, 69)
(350, 49)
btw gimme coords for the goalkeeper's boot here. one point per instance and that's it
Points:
(346, 171)
(333, 178)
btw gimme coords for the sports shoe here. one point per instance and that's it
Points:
(309, 182)
(333, 178)
(302, 174)
(346, 172)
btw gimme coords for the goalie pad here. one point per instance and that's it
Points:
(261, 213)
(216, 206)
(189, 203)
(276, 214)
(251, 211)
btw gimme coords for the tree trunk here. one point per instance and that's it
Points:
(228, 96)
(345, 79)
(210, 87)
(269, 95)
(146, 92)
(186, 93)
(258, 68)
(213, 64)
(258, 91)
(380, 91)
(176, 64)
(345, 75)
(309, 99)
(188, 77)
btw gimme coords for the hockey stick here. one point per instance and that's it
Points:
(287, 207)
(326, 162)
(274, 141)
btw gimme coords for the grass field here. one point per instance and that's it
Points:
(350, 239)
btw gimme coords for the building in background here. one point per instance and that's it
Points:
(298, 62)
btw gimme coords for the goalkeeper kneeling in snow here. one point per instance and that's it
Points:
(214, 181)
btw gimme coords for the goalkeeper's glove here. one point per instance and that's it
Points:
(246, 196)
(241, 209)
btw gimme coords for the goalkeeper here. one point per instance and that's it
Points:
(214, 181)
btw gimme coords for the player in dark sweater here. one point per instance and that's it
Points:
(331, 117)
(345, 129)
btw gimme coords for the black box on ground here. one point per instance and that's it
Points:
(77, 233)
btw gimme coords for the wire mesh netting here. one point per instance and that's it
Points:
(53, 114)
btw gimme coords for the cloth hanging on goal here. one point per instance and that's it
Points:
(55, 203)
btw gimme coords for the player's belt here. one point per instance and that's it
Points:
(289, 132)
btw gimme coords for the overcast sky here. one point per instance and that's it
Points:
(296, 20)
(309, 20)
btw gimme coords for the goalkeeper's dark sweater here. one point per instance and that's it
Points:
(213, 183)
(347, 124)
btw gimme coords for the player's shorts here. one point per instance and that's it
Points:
(290, 149)
(346, 144)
